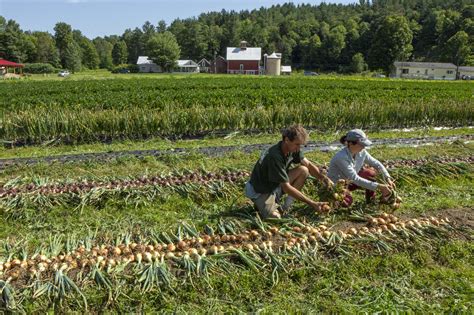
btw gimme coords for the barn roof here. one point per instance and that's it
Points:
(250, 53)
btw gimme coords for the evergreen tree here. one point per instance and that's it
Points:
(119, 53)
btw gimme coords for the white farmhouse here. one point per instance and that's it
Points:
(187, 66)
(146, 65)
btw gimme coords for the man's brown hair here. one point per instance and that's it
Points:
(295, 131)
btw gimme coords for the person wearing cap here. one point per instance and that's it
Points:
(272, 177)
(348, 164)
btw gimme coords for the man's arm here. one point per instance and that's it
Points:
(298, 195)
(316, 172)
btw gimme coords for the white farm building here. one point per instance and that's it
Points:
(425, 70)
(145, 65)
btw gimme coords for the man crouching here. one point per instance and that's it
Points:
(271, 176)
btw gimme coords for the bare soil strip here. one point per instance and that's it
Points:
(219, 150)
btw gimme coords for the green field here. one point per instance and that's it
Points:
(118, 235)
(84, 111)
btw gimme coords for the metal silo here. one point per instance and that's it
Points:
(273, 64)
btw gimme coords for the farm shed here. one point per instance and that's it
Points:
(5, 66)
(219, 65)
(285, 70)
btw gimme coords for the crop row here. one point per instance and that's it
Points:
(232, 92)
(100, 111)
(17, 186)
(155, 265)
(18, 199)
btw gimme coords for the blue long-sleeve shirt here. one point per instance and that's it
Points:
(344, 166)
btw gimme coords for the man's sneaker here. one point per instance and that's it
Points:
(272, 214)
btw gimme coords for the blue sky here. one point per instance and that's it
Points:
(112, 17)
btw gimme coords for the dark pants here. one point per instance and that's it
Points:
(369, 174)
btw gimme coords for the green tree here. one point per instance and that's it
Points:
(333, 45)
(164, 50)
(64, 42)
(311, 52)
(90, 57)
(119, 53)
(358, 63)
(72, 57)
(161, 27)
(88, 52)
(392, 42)
(458, 49)
(104, 51)
(46, 51)
(12, 41)
(135, 47)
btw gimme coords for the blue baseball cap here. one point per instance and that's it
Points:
(359, 136)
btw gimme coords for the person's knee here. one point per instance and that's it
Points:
(303, 171)
(368, 173)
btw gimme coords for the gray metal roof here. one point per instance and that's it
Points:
(250, 53)
(186, 63)
(143, 60)
(466, 68)
(434, 65)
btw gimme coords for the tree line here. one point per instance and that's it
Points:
(325, 37)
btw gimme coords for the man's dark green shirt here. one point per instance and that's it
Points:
(272, 169)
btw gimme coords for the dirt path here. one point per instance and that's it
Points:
(219, 150)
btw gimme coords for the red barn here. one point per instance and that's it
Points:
(243, 59)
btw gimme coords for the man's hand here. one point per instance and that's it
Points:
(321, 207)
(326, 181)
